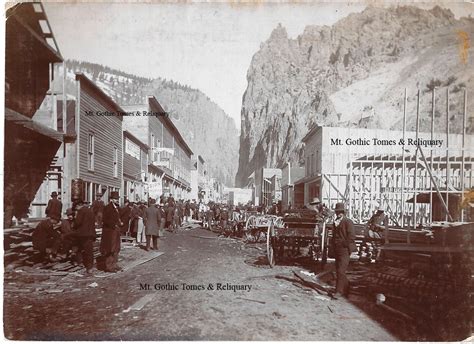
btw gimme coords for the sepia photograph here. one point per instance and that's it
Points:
(238, 171)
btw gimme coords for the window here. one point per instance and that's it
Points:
(115, 162)
(90, 152)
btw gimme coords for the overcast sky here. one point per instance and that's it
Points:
(208, 46)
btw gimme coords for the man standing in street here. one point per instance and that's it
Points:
(54, 208)
(110, 240)
(98, 209)
(344, 242)
(152, 218)
(84, 234)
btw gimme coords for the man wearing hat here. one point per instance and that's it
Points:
(98, 209)
(314, 204)
(46, 238)
(377, 224)
(344, 243)
(67, 231)
(84, 234)
(54, 207)
(152, 219)
(110, 240)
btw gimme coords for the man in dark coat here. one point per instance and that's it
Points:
(67, 231)
(98, 209)
(46, 238)
(344, 244)
(125, 215)
(169, 216)
(84, 234)
(152, 219)
(110, 240)
(54, 207)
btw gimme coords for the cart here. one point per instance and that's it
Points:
(256, 226)
(293, 233)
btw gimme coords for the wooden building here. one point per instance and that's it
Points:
(99, 146)
(289, 197)
(365, 168)
(93, 148)
(30, 54)
(135, 168)
(169, 158)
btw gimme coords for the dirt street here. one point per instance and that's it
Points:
(121, 308)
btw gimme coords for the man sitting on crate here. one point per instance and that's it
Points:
(375, 232)
(377, 224)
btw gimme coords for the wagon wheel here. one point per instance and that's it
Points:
(249, 228)
(270, 251)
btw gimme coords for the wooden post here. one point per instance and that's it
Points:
(434, 183)
(447, 151)
(463, 149)
(402, 195)
(433, 98)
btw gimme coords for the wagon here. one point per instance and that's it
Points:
(256, 226)
(297, 231)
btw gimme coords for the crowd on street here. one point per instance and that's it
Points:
(144, 222)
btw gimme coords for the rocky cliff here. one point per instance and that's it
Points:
(206, 128)
(353, 74)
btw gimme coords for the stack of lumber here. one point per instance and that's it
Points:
(19, 252)
(435, 288)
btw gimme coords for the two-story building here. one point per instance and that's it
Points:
(31, 54)
(169, 158)
(365, 168)
(135, 168)
(93, 149)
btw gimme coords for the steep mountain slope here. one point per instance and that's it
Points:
(207, 129)
(352, 74)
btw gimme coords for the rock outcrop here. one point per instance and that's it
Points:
(352, 74)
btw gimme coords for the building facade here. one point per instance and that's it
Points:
(365, 168)
(169, 158)
(93, 147)
(31, 53)
(135, 168)
(291, 197)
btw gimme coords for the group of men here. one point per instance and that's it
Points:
(78, 231)
(74, 235)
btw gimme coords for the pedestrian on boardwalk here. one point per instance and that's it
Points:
(140, 225)
(152, 220)
(134, 213)
(84, 234)
(98, 209)
(125, 216)
(110, 240)
(54, 207)
(344, 244)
